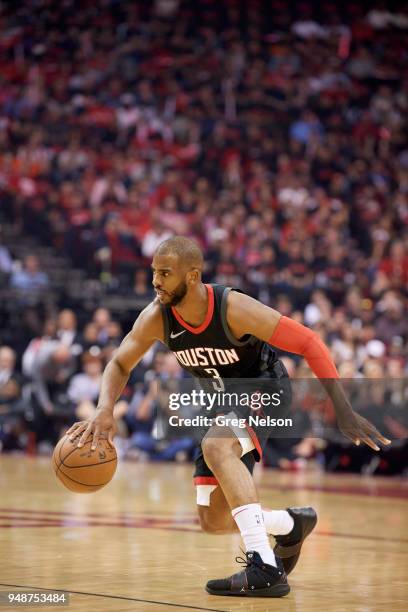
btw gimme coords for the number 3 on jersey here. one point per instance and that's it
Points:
(217, 383)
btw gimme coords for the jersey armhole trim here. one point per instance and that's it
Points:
(224, 322)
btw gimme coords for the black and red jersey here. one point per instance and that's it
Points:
(210, 350)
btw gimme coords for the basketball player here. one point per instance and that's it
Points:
(200, 323)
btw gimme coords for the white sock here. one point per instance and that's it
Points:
(277, 522)
(251, 524)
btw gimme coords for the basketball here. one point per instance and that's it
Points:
(81, 469)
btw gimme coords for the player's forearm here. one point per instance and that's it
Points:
(336, 393)
(291, 336)
(114, 380)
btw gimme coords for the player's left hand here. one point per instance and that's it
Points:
(358, 429)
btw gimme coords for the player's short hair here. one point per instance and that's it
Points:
(186, 249)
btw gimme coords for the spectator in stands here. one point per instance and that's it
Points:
(102, 318)
(67, 328)
(115, 333)
(142, 286)
(31, 281)
(395, 266)
(30, 354)
(10, 379)
(83, 389)
(392, 322)
(6, 261)
(11, 408)
(53, 366)
(120, 242)
(114, 338)
(154, 237)
(89, 337)
(318, 309)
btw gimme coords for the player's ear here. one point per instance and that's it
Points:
(193, 276)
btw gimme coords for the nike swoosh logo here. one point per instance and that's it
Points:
(173, 335)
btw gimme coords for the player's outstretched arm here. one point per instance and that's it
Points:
(147, 329)
(248, 316)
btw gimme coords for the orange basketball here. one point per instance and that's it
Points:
(81, 469)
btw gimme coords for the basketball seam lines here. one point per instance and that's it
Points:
(72, 451)
(72, 467)
(82, 483)
(59, 457)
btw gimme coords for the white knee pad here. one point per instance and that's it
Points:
(203, 493)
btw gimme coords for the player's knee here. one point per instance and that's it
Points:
(216, 449)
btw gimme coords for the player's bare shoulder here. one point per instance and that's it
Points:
(238, 309)
(246, 315)
(150, 322)
(238, 302)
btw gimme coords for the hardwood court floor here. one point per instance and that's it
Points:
(136, 545)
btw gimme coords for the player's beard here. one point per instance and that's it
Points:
(178, 294)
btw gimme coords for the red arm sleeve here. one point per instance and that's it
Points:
(293, 337)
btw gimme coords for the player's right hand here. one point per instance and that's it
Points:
(102, 423)
(358, 429)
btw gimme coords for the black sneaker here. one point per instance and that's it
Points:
(288, 546)
(258, 579)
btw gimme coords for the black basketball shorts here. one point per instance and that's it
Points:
(252, 426)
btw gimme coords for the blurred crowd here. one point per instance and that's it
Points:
(272, 132)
